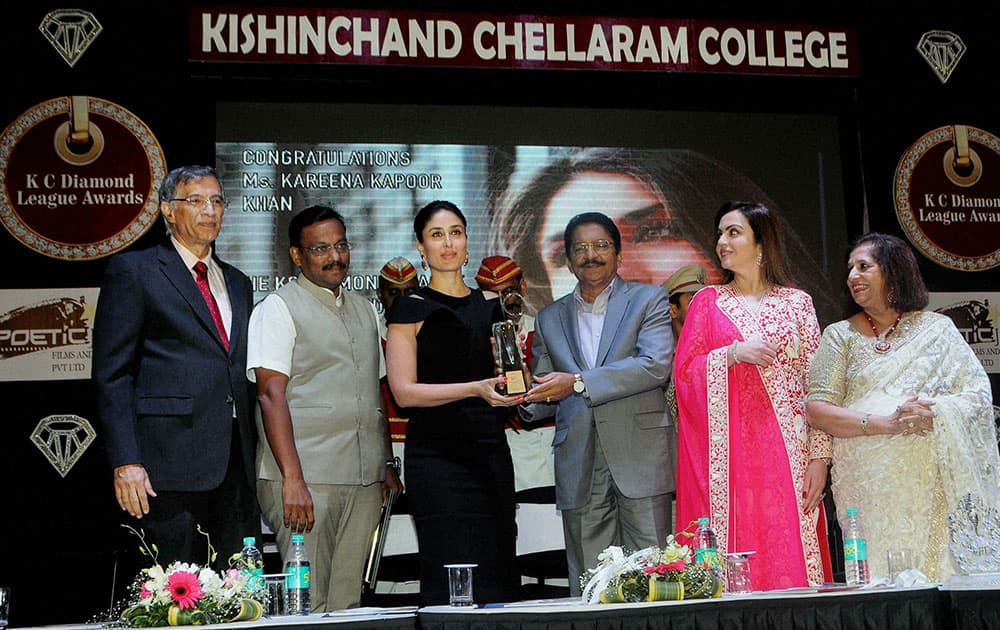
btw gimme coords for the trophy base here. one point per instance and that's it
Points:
(515, 382)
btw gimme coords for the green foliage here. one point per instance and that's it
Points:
(634, 586)
(700, 582)
(212, 553)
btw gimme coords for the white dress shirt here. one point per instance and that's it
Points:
(216, 281)
(590, 321)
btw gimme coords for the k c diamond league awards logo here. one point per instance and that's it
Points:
(63, 440)
(71, 32)
(947, 194)
(78, 177)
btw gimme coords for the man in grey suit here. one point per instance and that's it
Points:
(602, 355)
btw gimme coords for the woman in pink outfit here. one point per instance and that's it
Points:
(746, 456)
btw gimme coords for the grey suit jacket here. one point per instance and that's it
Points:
(625, 407)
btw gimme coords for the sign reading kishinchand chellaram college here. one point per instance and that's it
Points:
(947, 194)
(78, 178)
(397, 37)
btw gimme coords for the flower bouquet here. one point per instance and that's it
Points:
(650, 574)
(187, 594)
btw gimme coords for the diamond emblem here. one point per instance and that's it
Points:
(71, 32)
(941, 50)
(63, 440)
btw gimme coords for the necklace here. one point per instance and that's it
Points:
(754, 310)
(881, 343)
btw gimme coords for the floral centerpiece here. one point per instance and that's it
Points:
(650, 574)
(188, 594)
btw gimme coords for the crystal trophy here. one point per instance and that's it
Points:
(511, 303)
(509, 356)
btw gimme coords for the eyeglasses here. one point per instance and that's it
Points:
(600, 246)
(322, 250)
(216, 202)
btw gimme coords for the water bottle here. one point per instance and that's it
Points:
(252, 565)
(855, 549)
(297, 577)
(706, 552)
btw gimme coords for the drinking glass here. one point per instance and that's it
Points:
(4, 606)
(275, 585)
(898, 560)
(738, 580)
(460, 584)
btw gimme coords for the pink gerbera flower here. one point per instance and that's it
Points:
(184, 589)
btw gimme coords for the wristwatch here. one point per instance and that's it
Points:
(578, 385)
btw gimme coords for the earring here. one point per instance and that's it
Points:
(423, 262)
(889, 298)
(466, 260)
(760, 259)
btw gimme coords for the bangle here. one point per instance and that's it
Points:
(864, 424)
(394, 463)
(732, 352)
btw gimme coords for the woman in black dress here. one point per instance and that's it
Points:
(459, 476)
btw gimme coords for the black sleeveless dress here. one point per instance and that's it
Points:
(459, 476)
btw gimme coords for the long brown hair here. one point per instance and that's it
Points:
(767, 232)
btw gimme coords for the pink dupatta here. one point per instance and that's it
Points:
(743, 442)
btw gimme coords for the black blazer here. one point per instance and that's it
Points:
(165, 384)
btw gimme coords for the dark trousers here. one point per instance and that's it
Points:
(226, 513)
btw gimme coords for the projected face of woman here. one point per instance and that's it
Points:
(651, 249)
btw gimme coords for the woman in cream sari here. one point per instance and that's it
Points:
(909, 407)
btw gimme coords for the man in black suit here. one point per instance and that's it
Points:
(170, 343)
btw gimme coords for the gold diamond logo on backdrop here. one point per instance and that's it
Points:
(63, 440)
(71, 32)
(941, 50)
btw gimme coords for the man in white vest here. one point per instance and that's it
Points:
(315, 355)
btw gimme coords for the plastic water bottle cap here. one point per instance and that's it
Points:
(249, 540)
(852, 511)
(703, 520)
(298, 538)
